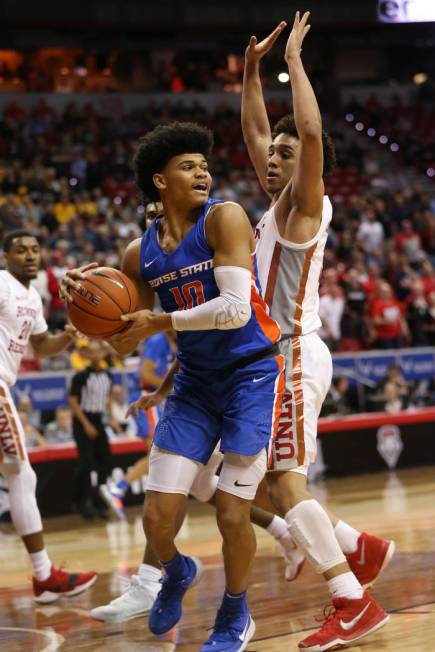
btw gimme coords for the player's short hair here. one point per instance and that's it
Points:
(286, 125)
(8, 238)
(163, 143)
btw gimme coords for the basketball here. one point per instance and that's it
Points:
(104, 295)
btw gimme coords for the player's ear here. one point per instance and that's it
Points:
(159, 181)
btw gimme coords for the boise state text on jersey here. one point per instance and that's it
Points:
(183, 279)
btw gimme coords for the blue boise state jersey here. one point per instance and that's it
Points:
(183, 279)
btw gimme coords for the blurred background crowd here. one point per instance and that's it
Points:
(65, 163)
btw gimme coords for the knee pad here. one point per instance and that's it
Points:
(242, 474)
(24, 509)
(171, 473)
(311, 529)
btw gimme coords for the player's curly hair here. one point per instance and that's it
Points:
(286, 125)
(160, 145)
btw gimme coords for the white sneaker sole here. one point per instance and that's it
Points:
(249, 634)
(116, 618)
(49, 596)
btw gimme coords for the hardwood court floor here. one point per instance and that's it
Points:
(398, 506)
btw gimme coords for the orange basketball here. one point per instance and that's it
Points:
(105, 294)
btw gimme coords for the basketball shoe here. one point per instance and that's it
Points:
(371, 557)
(137, 600)
(61, 583)
(166, 610)
(114, 499)
(294, 559)
(349, 621)
(232, 631)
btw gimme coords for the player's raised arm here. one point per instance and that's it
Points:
(307, 184)
(255, 123)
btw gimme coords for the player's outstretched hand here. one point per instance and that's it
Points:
(299, 31)
(70, 280)
(144, 403)
(256, 51)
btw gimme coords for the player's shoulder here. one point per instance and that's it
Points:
(133, 247)
(225, 213)
(5, 277)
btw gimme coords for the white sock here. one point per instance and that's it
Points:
(345, 586)
(347, 537)
(41, 565)
(149, 573)
(278, 528)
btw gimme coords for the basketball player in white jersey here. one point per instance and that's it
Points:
(290, 163)
(21, 321)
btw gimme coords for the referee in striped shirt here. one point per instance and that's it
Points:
(89, 399)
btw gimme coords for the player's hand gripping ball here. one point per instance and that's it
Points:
(98, 301)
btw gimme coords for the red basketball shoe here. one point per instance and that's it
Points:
(371, 557)
(349, 621)
(61, 583)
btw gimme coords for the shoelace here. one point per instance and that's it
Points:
(222, 625)
(329, 615)
(170, 588)
(131, 584)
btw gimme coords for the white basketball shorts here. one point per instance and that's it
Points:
(308, 375)
(12, 437)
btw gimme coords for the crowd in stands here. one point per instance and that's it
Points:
(67, 178)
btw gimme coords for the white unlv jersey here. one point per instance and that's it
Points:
(289, 273)
(21, 316)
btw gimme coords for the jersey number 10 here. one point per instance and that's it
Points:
(189, 295)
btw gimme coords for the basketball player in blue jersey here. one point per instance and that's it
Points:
(199, 259)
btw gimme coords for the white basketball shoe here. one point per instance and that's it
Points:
(137, 600)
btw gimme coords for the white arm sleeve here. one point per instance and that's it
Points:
(231, 309)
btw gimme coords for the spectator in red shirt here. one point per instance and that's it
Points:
(408, 242)
(388, 325)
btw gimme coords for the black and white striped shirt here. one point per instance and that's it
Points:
(92, 388)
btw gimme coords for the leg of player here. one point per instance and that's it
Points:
(169, 483)
(366, 554)
(278, 529)
(49, 583)
(114, 494)
(311, 528)
(237, 485)
(141, 591)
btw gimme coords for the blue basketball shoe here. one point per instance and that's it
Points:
(232, 631)
(166, 610)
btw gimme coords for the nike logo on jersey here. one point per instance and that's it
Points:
(149, 263)
(362, 560)
(354, 621)
(237, 484)
(257, 380)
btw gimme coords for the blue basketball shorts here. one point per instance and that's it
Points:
(240, 407)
